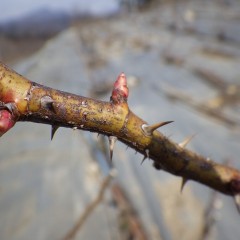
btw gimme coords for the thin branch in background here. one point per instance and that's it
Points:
(212, 212)
(129, 223)
(211, 215)
(177, 95)
(91, 207)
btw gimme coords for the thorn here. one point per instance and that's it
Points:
(144, 158)
(237, 201)
(54, 129)
(149, 129)
(184, 181)
(185, 142)
(146, 155)
(112, 140)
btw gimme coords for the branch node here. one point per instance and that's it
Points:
(47, 103)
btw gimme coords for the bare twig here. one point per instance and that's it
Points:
(90, 208)
(132, 226)
(211, 215)
(175, 94)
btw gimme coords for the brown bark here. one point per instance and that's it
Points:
(29, 101)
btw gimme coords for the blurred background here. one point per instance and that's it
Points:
(182, 61)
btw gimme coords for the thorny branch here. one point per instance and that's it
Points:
(24, 100)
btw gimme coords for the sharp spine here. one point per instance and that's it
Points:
(146, 155)
(144, 158)
(237, 201)
(112, 140)
(149, 129)
(53, 130)
(186, 141)
(184, 181)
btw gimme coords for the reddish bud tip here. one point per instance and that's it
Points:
(120, 90)
(6, 121)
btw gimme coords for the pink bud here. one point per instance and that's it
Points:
(120, 90)
(6, 121)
